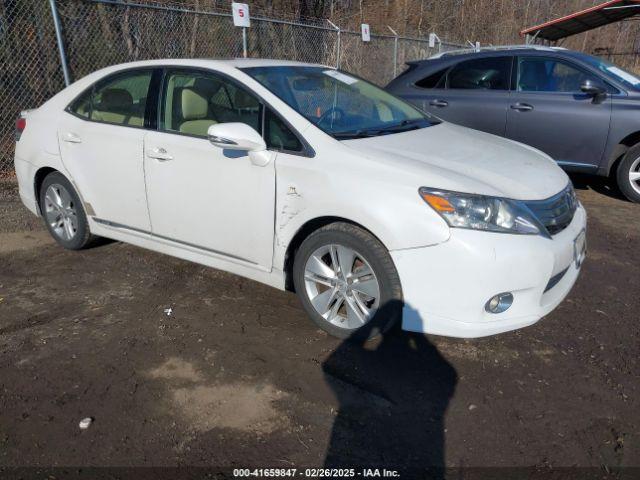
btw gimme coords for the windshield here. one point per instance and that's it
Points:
(629, 79)
(342, 105)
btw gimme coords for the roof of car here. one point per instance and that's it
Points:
(453, 56)
(236, 62)
(496, 50)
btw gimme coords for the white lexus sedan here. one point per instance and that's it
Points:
(307, 178)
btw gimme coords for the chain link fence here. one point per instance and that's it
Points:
(98, 33)
(29, 65)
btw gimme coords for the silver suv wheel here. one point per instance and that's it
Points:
(634, 175)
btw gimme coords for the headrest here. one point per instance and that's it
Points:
(116, 99)
(242, 99)
(194, 105)
(206, 86)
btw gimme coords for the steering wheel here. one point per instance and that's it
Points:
(333, 113)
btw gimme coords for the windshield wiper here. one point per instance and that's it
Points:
(351, 134)
(403, 126)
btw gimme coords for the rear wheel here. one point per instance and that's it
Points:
(347, 282)
(63, 213)
(628, 174)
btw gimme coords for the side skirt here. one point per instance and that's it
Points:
(578, 167)
(273, 277)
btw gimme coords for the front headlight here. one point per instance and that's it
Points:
(480, 212)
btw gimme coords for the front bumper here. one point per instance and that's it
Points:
(446, 286)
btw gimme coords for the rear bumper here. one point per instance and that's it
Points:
(25, 172)
(446, 286)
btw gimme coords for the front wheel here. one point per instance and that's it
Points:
(628, 174)
(347, 282)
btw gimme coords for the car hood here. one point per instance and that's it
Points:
(451, 157)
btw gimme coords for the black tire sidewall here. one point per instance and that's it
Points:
(390, 310)
(82, 235)
(622, 174)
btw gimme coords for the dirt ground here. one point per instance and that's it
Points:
(236, 375)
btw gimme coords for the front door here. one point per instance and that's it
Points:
(549, 112)
(101, 138)
(200, 195)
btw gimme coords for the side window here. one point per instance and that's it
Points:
(193, 101)
(120, 100)
(278, 135)
(483, 73)
(81, 106)
(538, 74)
(435, 80)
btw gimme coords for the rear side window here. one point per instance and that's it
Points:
(120, 100)
(481, 74)
(539, 74)
(435, 80)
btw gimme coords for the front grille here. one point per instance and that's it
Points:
(555, 213)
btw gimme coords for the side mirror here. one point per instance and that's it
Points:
(235, 136)
(593, 88)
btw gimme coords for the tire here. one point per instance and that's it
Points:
(369, 284)
(630, 165)
(63, 213)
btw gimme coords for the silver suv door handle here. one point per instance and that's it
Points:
(439, 103)
(159, 154)
(522, 107)
(71, 137)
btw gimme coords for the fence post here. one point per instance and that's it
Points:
(63, 57)
(338, 33)
(244, 42)
(395, 51)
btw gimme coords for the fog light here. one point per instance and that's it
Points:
(499, 303)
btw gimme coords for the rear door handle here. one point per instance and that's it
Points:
(71, 137)
(522, 107)
(159, 154)
(439, 103)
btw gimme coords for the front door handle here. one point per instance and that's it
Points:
(439, 103)
(159, 153)
(71, 137)
(522, 107)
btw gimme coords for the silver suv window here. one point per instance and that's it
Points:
(492, 73)
(542, 74)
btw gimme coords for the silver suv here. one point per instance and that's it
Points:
(581, 110)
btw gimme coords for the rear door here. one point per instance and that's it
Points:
(101, 137)
(549, 111)
(473, 93)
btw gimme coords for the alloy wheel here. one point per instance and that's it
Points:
(341, 286)
(634, 175)
(60, 212)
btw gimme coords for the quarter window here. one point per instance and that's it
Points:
(435, 80)
(278, 136)
(536, 74)
(120, 101)
(193, 101)
(484, 73)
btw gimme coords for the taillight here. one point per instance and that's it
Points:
(21, 124)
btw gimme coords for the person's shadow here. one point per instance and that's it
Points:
(393, 393)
